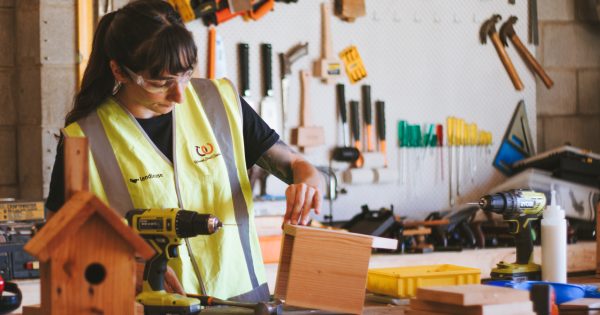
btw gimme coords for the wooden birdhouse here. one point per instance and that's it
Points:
(88, 257)
(325, 269)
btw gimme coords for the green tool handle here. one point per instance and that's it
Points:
(524, 241)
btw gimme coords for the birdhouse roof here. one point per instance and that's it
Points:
(72, 216)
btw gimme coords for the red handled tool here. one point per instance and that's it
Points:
(439, 132)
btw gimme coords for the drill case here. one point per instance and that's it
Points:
(567, 163)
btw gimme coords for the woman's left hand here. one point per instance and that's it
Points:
(301, 198)
(304, 191)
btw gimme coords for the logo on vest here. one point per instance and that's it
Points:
(144, 178)
(206, 152)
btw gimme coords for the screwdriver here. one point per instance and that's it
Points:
(439, 132)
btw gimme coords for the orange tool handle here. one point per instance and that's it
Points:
(531, 61)
(508, 65)
(212, 53)
(263, 9)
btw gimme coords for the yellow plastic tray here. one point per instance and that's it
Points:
(403, 282)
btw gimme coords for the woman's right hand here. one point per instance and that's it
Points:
(171, 283)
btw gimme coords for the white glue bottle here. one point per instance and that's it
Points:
(554, 243)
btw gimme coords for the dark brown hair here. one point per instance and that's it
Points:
(145, 35)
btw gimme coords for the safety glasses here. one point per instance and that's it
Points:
(158, 86)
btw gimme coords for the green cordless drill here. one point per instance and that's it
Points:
(518, 208)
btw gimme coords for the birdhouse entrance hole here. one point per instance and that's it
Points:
(95, 273)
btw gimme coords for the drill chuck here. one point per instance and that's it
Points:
(191, 223)
(494, 203)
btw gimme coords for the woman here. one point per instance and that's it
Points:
(161, 140)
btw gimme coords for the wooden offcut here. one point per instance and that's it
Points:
(37, 309)
(472, 294)
(349, 10)
(488, 309)
(583, 304)
(325, 269)
(89, 258)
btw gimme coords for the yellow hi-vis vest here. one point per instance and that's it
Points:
(208, 175)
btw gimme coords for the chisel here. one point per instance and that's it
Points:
(354, 116)
(367, 116)
(345, 153)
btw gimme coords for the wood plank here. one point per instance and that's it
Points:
(76, 165)
(420, 312)
(489, 309)
(419, 231)
(472, 294)
(33, 310)
(581, 304)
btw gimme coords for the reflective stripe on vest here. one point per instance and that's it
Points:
(208, 94)
(218, 115)
(106, 162)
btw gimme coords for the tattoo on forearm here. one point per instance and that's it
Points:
(277, 161)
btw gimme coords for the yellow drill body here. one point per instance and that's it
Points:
(164, 230)
(518, 208)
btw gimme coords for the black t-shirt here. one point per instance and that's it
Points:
(258, 138)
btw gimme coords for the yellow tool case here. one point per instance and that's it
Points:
(402, 282)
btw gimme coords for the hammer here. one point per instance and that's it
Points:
(259, 308)
(507, 30)
(489, 29)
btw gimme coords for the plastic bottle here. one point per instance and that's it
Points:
(554, 243)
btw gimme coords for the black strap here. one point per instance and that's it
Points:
(9, 303)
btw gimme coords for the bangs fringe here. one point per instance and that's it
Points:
(172, 50)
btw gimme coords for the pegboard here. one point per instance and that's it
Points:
(424, 59)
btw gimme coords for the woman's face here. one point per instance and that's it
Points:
(156, 96)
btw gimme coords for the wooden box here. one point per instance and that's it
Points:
(324, 269)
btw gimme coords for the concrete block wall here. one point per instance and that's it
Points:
(570, 52)
(8, 120)
(44, 83)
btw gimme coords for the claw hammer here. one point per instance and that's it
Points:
(489, 29)
(507, 31)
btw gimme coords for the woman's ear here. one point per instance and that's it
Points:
(118, 72)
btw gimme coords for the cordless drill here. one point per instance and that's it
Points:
(164, 230)
(518, 208)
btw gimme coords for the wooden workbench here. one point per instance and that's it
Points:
(581, 258)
